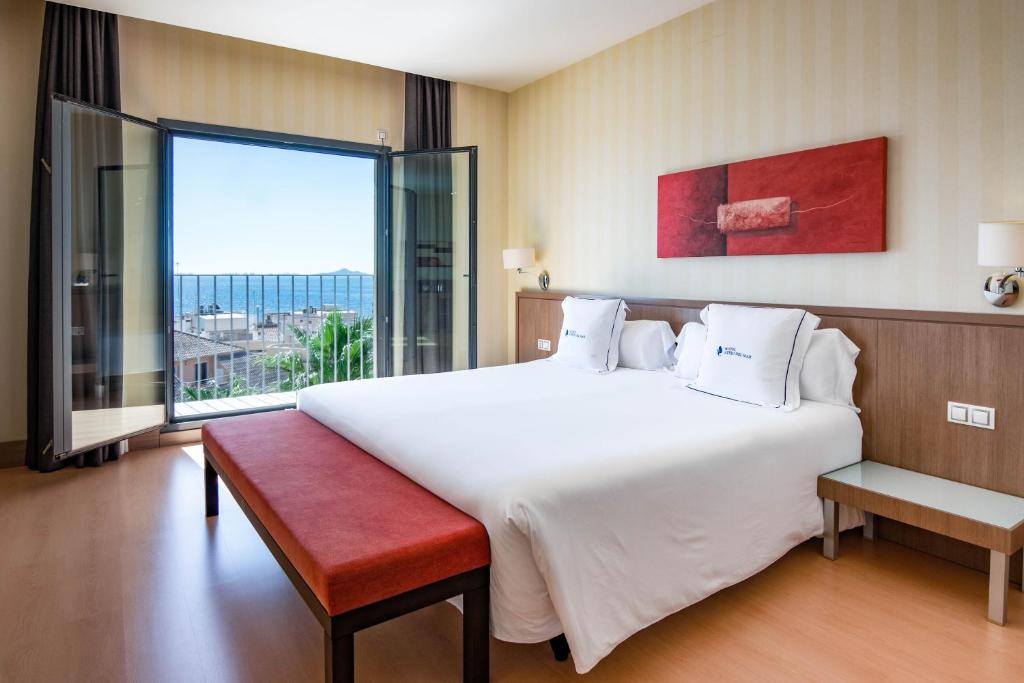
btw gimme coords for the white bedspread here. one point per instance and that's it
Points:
(611, 501)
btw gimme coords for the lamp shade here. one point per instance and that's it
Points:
(1001, 243)
(518, 258)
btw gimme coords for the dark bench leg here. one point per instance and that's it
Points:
(476, 637)
(212, 504)
(339, 658)
(560, 647)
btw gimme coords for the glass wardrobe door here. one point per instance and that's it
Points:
(432, 266)
(109, 223)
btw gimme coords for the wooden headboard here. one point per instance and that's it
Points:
(911, 363)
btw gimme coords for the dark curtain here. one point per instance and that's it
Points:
(428, 113)
(429, 238)
(79, 58)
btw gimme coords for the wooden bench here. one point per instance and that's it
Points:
(361, 543)
(986, 518)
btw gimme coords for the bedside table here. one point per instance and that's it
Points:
(975, 515)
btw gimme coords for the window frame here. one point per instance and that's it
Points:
(380, 154)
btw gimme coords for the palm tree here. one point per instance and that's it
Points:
(334, 352)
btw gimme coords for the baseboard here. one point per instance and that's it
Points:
(12, 453)
(157, 439)
(181, 437)
(145, 441)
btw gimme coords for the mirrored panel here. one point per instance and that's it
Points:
(111, 269)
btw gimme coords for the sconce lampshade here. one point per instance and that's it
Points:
(1001, 243)
(518, 258)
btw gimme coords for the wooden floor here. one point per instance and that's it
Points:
(113, 574)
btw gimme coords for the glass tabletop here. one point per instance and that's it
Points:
(990, 507)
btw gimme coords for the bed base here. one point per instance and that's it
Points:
(560, 647)
(340, 629)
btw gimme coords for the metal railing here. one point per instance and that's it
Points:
(244, 334)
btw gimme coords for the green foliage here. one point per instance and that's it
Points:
(335, 352)
(208, 390)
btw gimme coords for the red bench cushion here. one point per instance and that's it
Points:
(354, 528)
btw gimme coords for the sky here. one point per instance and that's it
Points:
(250, 209)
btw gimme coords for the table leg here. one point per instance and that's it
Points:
(869, 526)
(476, 634)
(339, 658)
(998, 583)
(210, 477)
(831, 546)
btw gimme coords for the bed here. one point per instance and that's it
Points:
(611, 501)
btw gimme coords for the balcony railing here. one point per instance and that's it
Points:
(238, 335)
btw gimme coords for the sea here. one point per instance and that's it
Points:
(268, 294)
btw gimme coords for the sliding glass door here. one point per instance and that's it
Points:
(109, 277)
(433, 261)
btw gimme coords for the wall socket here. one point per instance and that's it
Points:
(982, 417)
(544, 344)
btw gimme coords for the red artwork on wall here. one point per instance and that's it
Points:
(818, 201)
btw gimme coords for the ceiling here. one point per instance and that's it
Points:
(501, 44)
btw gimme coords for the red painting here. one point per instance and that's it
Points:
(819, 201)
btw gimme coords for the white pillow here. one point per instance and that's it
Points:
(590, 333)
(755, 355)
(690, 349)
(645, 344)
(829, 369)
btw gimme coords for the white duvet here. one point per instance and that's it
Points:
(612, 500)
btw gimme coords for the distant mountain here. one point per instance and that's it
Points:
(345, 271)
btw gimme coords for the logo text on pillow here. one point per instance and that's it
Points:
(731, 351)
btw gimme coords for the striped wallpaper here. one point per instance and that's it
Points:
(180, 73)
(481, 118)
(740, 79)
(21, 25)
(185, 74)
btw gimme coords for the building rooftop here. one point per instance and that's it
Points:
(188, 346)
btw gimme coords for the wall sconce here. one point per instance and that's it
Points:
(522, 259)
(1001, 243)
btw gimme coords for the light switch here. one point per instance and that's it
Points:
(983, 417)
(544, 344)
(957, 412)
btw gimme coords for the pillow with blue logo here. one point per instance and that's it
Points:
(590, 333)
(754, 355)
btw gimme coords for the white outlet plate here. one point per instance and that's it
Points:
(981, 417)
(544, 344)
